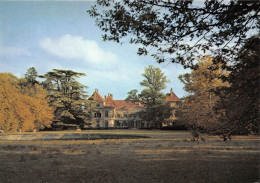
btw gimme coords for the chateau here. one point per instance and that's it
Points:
(110, 113)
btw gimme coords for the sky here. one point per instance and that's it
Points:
(61, 35)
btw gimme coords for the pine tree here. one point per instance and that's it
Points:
(31, 75)
(66, 95)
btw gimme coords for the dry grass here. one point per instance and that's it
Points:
(167, 156)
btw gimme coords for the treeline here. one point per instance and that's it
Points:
(28, 104)
(223, 99)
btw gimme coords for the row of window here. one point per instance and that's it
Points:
(119, 115)
(117, 123)
(122, 124)
(98, 115)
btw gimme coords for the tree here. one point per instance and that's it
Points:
(198, 108)
(154, 82)
(133, 96)
(157, 110)
(239, 103)
(66, 95)
(157, 114)
(29, 85)
(31, 75)
(20, 110)
(178, 31)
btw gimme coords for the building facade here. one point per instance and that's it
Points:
(110, 113)
(175, 103)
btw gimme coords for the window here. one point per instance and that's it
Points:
(97, 115)
(106, 124)
(98, 105)
(106, 113)
(98, 124)
(118, 115)
(125, 115)
(117, 124)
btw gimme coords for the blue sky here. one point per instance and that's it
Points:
(61, 35)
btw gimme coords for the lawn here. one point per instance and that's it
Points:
(166, 156)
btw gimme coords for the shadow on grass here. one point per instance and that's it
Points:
(128, 168)
(69, 136)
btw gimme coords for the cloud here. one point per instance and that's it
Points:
(75, 47)
(13, 51)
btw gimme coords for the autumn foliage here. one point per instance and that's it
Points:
(22, 107)
(198, 108)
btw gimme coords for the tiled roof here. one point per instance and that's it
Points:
(97, 97)
(122, 104)
(171, 97)
(110, 102)
(119, 104)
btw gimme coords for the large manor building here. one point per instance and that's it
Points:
(110, 113)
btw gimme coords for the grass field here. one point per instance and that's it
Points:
(167, 156)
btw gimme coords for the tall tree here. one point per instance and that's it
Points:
(198, 108)
(66, 95)
(31, 75)
(178, 31)
(154, 82)
(20, 108)
(239, 104)
(157, 110)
